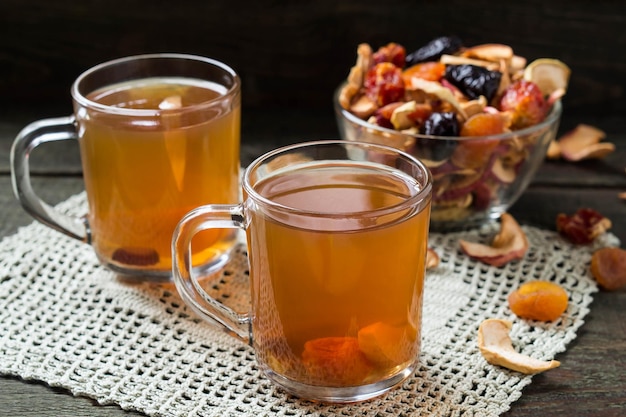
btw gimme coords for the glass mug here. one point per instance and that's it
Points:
(158, 135)
(337, 234)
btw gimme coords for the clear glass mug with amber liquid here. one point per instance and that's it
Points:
(337, 234)
(158, 135)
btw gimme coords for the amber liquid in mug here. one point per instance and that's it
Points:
(337, 303)
(142, 176)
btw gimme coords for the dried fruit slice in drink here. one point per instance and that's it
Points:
(335, 361)
(388, 345)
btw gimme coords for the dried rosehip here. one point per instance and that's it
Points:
(608, 267)
(474, 81)
(392, 52)
(583, 226)
(441, 124)
(384, 84)
(433, 50)
(525, 100)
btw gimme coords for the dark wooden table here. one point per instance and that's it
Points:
(592, 378)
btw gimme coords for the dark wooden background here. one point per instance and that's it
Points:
(291, 55)
(294, 53)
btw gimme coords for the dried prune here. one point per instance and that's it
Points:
(474, 81)
(441, 124)
(433, 50)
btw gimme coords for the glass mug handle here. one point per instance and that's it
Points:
(33, 135)
(216, 216)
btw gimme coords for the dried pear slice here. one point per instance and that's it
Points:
(496, 347)
(549, 74)
(441, 92)
(583, 142)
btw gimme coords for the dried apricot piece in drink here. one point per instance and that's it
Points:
(388, 345)
(538, 300)
(335, 361)
(608, 267)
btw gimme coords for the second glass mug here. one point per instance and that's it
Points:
(337, 234)
(159, 134)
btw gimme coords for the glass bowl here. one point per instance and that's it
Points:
(476, 179)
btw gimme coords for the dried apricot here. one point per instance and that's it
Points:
(335, 361)
(485, 124)
(608, 267)
(538, 300)
(431, 71)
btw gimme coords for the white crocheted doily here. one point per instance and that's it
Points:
(69, 322)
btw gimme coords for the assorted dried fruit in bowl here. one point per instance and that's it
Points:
(478, 117)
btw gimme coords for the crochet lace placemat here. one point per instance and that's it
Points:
(69, 322)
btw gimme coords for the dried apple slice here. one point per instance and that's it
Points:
(432, 258)
(439, 91)
(493, 52)
(508, 245)
(496, 347)
(549, 74)
(461, 60)
(583, 142)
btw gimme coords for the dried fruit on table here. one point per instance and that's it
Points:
(583, 226)
(509, 244)
(336, 361)
(496, 347)
(538, 300)
(608, 267)
(584, 142)
(432, 259)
